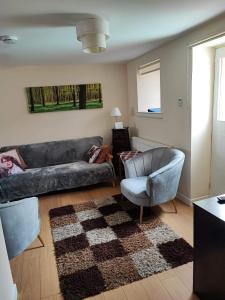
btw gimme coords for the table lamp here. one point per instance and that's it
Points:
(116, 113)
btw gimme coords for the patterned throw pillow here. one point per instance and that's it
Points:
(11, 163)
(93, 153)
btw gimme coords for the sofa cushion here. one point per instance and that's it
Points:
(52, 178)
(58, 152)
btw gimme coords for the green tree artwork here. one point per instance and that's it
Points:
(65, 97)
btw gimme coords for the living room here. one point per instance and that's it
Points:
(42, 56)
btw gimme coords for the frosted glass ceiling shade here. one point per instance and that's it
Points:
(116, 112)
(93, 33)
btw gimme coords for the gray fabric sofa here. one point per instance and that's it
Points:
(54, 166)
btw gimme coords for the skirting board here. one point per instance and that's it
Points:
(200, 198)
(184, 199)
(188, 201)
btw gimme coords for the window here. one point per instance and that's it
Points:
(148, 88)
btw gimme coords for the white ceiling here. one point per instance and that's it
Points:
(46, 32)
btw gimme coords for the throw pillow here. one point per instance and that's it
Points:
(16, 154)
(93, 153)
(11, 162)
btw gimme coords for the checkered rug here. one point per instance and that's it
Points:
(99, 246)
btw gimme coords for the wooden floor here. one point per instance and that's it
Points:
(35, 272)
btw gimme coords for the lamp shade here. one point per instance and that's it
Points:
(93, 33)
(116, 112)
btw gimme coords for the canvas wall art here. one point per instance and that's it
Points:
(65, 97)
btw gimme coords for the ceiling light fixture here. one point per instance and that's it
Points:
(8, 39)
(93, 33)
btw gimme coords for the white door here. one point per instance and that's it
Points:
(218, 133)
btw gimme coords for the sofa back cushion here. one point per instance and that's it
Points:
(57, 152)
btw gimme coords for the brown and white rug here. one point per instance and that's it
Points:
(99, 246)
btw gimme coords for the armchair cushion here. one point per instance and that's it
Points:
(134, 189)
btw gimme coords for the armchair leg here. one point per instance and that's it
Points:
(37, 247)
(42, 242)
(141, 214)
(113, 183)
(174, 205)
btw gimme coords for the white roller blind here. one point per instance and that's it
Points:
(148, 68)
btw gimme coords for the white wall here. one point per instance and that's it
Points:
(18, 126)
(8, 289)
(175, 126)
(202, 108)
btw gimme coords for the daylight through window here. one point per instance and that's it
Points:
(148, 86)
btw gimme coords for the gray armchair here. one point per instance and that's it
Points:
(153, 177)
(21, 224)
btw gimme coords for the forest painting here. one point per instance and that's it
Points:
(65, 97)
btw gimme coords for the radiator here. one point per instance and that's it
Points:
(140, 144)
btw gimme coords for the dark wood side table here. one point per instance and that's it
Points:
(120, 143)
(209, 249)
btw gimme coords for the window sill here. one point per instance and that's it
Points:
(150, 115)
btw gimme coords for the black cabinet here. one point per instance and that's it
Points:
(120, 143)
(209, 249)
